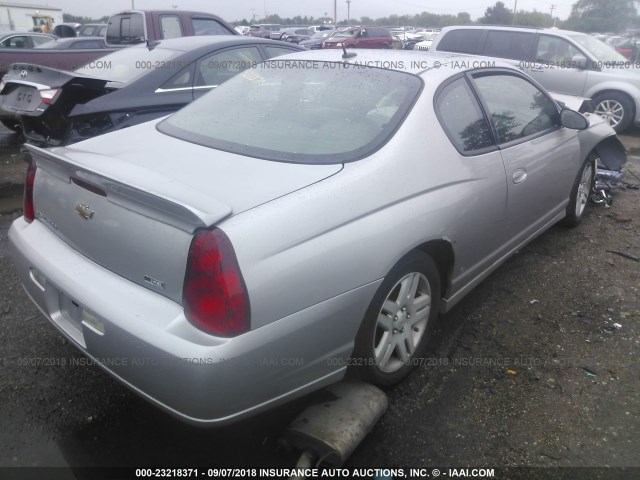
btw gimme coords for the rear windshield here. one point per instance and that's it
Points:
(346, 33)
(320, 35)
(299, 111)
(130, 63)
(126, 29)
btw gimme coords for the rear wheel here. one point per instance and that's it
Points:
(616, 108)
(580, 193)
(395, 330)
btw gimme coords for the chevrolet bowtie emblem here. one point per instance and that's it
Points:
(84, 211)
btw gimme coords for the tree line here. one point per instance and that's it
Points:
(586, 16)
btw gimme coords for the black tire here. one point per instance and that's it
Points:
(580, 193)
(12, 124)
(387, 331)
(616, 108)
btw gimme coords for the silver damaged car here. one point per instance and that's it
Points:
(307, 219)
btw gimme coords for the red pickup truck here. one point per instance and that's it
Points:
(124, 29)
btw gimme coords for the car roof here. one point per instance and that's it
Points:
(201, 41)
(162, 12)
(436, 65)
(68, 40)
(514, 28)
(22, 34)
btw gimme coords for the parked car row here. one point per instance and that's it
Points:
(349, 37)
(34, 39)
(360, 37)
(625, 45)
(317, 39)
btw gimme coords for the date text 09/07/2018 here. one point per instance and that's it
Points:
(285, 473)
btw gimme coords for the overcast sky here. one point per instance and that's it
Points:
(232, 10)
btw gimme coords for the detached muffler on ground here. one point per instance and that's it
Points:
(331, 429)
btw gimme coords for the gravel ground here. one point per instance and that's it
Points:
(537, 367)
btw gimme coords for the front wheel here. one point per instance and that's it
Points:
(580, 193)
(615, 108)
(395, 330)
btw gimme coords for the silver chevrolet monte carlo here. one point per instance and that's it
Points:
(309, 218)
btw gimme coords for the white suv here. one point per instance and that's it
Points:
(566, 62)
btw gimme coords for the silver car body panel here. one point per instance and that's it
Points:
(313, 243)
(157, 205)
(149, 345)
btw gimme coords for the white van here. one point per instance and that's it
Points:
(566, 62)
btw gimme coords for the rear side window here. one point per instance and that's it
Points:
(378, 32)
(277, 51)
(16, 42)
(40, 40)
(181, 80)
(87, 31)
(210, 26)
(462, 119)
(556, 51)
(505, 44)
(125, 29)
(517, 107)
(170, 26)
(462, 41)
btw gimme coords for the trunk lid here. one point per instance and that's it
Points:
(24, 95)
(133, 207)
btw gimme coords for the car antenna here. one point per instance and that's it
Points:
(348, 55)
(151, 44)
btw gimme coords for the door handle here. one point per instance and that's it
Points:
(519, 175)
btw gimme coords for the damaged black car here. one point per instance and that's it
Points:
(128, 87)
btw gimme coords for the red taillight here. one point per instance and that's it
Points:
(215, 297)
(49, 96)
(28, 207)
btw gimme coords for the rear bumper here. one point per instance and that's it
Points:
(144, 340)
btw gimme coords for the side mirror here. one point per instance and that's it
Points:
(579, 62)
(574, 120)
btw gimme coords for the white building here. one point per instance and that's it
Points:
(16, 17)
